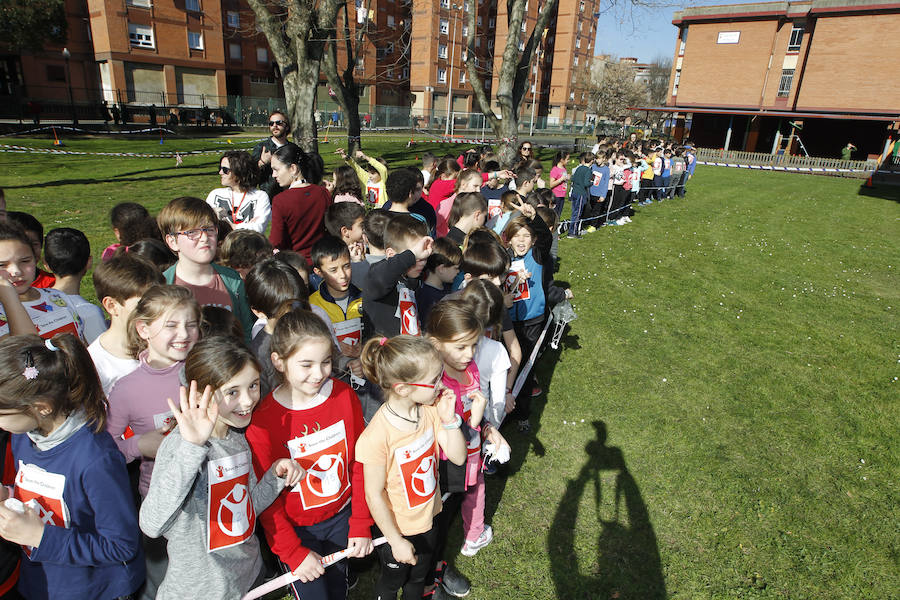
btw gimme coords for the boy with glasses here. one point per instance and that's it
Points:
(189, 229)
(279, 127)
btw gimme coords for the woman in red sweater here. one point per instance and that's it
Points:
(298, 213)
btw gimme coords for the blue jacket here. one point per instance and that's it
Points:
(539, 263)
(99, 554)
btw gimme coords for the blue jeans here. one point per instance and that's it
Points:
(578, 203)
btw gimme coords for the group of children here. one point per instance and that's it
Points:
(372, 382)
(613, 176)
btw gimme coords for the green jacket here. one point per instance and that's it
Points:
(235, 286)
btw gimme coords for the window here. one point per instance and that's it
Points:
(521, 45)
(492, 22)
(524, 26)
(442, 75)
(571, 95)
(233, 19)
(468, 5)
(487, 84)
(234, 51)
(580, 26)
(462, 77)
(389, 49)
(684, 32)
(465, 31)
(139, 3)
(445, 3)
(576, 61)
(141, 36)
(465, 55)
(390, 20)
(390, 72)
(262, 55)
(787, 79)
(56, 73)
(442, 50)
(581, 6)
(405, 72)
(445, 26)
(796, 39)
(479, 20)
(578, 42)
(195, 40)
(478, 42)
(491, 43)
(675, 83)
(193, 5)
(262, 79)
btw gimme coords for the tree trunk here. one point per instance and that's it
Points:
(301, 98)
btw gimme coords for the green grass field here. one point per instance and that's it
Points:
(718, 421)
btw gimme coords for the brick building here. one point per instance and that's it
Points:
(743, 74)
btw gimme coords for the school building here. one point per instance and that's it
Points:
(748, 76)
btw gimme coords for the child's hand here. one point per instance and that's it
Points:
(357, 252)
(25, 528)
(290, 470)
(523, 207)
(493, 436)
(404, 551)
(510, 402)
(350, 351)
(148, 443)
(310, 569)
(446, 406)
(355, 366)
(329, 185)
(196, 416)
(423, 248)
(342, 153)
(506, 174)
(479, 403)
(360, 155)
(569, 294)
(359, 547)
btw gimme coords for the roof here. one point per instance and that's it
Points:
(762, 10)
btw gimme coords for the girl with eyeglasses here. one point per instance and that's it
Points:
(400, 451)
(239, 201)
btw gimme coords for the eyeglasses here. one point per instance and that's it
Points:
(278, 122)
(526, 149)
(194, 234)
(433, 386)
(225, 170)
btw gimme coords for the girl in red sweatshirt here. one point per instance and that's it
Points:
(315, 420)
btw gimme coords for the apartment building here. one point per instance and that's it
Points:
(743, 75)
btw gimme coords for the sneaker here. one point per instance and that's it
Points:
(524, 425)
(590, 229)
(471, 548)
(454, 583)
(627, 219)
(577, 236)
(536, 391)
(621, 221)
(648, 201)
(490, 468)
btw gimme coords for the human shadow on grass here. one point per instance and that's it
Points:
(627, 563)
(181, 172)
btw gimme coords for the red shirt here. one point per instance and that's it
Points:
(298, 218)
(43, 279)
(440, 189)
(323, 440)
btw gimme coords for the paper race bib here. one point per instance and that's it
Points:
(374, 194)
(230, 514)
(349, 331)
(46, 488)
(522, 292)
(407, 311)
(323, 454)
(598, 177)
(495, 208)
(418, 464)
(163, 420)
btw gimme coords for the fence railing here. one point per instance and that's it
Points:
(783, 160)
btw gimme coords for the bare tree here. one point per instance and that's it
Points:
(513, 81)
(658, 83)
(347, 89)
(614, 91)
(297, 32)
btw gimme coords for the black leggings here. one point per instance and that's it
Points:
(396, 575)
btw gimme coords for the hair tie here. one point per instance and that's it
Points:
(30, 371)
(50, 345)
(382, 341)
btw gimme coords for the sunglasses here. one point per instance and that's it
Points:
(279, 122)
(194, 234)
(528, 149)
(224, 170)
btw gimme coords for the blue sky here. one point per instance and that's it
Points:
(642, 32)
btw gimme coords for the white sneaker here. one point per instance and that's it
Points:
(627, 219)
(621, 221)
(472, 548)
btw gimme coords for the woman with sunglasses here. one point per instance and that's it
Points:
(279, 127)
(523, 155)
(239, 201)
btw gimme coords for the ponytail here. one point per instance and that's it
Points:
(58, 371)
(386, 361)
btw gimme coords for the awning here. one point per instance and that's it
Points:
(768, 113)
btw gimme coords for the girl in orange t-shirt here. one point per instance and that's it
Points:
(399, 453)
